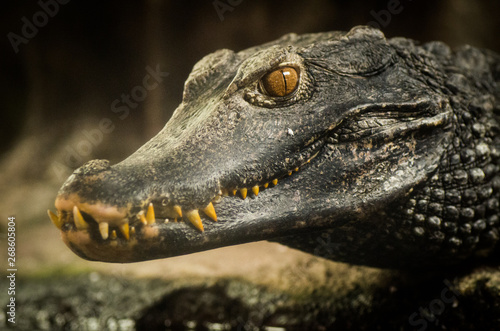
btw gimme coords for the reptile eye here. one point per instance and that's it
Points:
(280, 82)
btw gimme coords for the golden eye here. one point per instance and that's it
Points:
(280, 82)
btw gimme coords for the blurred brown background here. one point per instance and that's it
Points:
(60, 76)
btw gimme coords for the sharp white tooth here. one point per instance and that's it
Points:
(210, 211)
(255, 190)
(243, 192)
(104, 230)
(78, 218)
(150, 215)
(195, 219)
(125, 230)
(178, 210)
(55, 219)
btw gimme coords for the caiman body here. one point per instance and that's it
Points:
(350, 146)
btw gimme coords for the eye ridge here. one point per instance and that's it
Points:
(280, 82)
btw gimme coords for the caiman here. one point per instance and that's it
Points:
(347, 145)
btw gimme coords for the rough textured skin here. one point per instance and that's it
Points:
(393, 150)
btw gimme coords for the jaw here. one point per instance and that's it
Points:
(141, 210)
(103, 232)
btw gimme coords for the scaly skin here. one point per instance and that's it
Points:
(346, 145)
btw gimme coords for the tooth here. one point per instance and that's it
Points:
(79, 221)
(104, 230)
(266, 185)
(125, 230)
(255, 190)
(55, 219)
(178, 210)
(243, 192)
(150, 215)
(275, 181)
(132, 230)
(113, 234)
(289, 173)
(234, 192)
(296, 169)
(143, 219)
(194, 217)
(210, 211)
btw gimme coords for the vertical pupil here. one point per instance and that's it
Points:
(285, 73)
(280, 82)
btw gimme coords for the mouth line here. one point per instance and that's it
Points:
(122, 224)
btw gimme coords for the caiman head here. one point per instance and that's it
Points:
(327, 142)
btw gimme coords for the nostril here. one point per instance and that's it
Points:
(93, 167)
